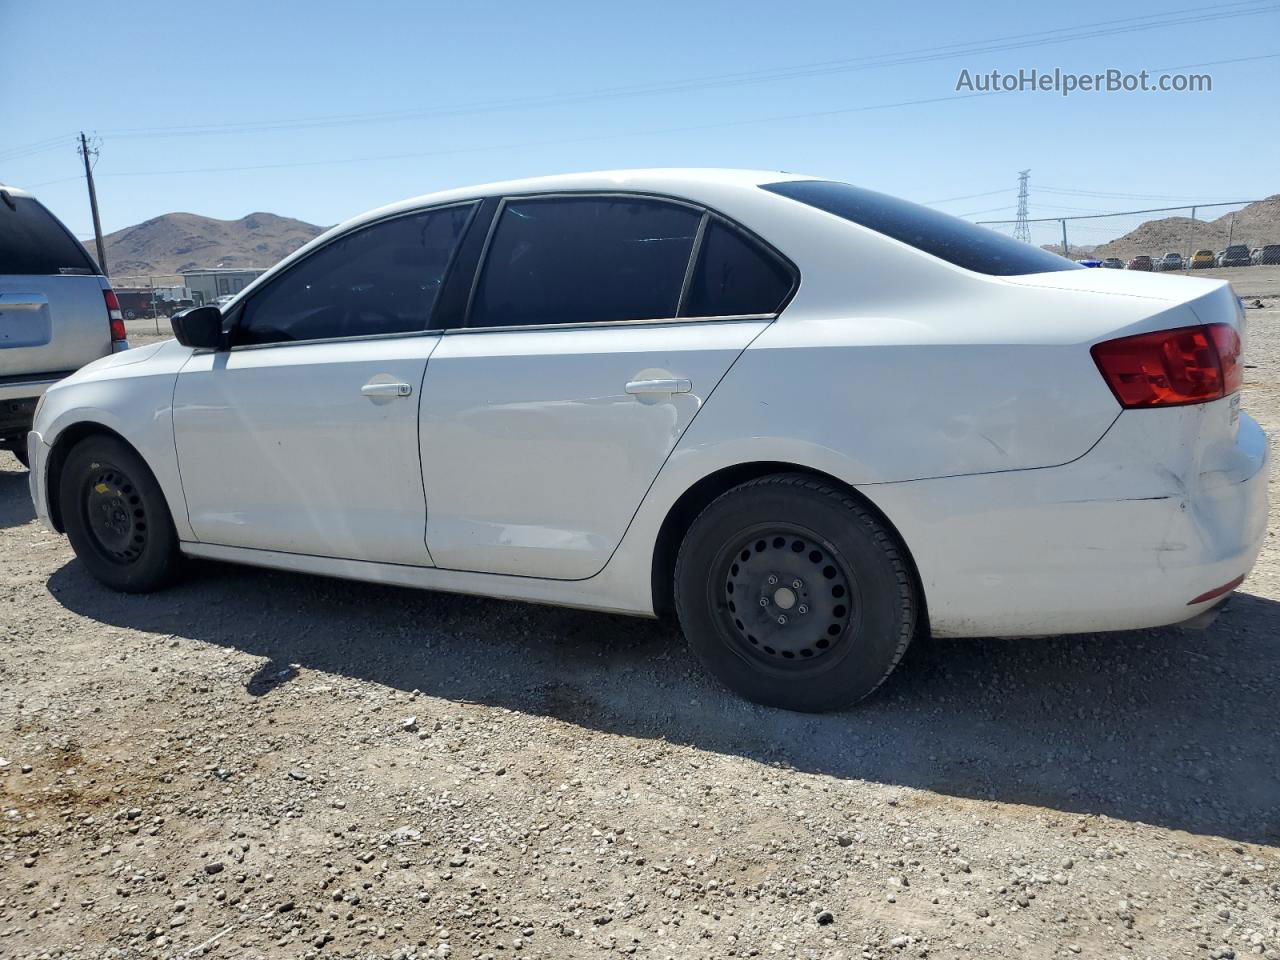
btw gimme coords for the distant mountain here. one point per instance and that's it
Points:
(1255, 225)
(184, 241)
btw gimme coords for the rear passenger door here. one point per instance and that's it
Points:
(597, 327)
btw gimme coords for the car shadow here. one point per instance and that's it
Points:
(15, 496)
(1167, 727)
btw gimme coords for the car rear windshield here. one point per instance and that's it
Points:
(32, 241)
(946, 237)
(1237, 250)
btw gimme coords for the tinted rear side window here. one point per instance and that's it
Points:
(584, 260)
(734, 276)
(32, 241)
(946, 237)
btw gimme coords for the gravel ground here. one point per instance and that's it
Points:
(255, 764)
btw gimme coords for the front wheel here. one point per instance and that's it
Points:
(116, 516)
(794, 595)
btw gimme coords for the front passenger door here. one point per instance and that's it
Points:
(303, 437)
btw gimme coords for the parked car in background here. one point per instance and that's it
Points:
(1171, 261)
(663, 391)
(1140, 262)
(57, 311)
(1270, 254)
(1236, 255)
(1113, 263)
(1202, 260)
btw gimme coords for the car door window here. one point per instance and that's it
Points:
(734, 276)
(379, 279)
(557, 260)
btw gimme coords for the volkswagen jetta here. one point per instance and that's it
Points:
(810, 420)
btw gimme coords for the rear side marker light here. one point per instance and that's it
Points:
(1217, 591)
(1171, 368)
(114, 316)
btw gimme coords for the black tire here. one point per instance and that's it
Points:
(848, 622)
(116, 516)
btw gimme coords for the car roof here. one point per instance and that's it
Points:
(14, 191)
(687, 182)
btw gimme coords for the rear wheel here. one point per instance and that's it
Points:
(793, 595)
(116, 516)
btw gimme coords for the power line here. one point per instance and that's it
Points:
(552, 143)
(1118, 196)
(820, 68)
(32, 149)
(967, 196)
(1097, 216)
(974, 213)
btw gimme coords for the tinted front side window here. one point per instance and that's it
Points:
(584, 260)
(946, 237)
(734, 277)
(379, 279)
(32, 241)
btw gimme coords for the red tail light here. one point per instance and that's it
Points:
(114, 316)
(1171, 368)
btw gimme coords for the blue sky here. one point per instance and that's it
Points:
(485, 91)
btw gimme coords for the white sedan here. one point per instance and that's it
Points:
(812, 421)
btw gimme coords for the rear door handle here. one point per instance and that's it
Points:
(386, 389)
(665, 385)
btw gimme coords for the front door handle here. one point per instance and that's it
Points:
(664, 385)
(386, 389)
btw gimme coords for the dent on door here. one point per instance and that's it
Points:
(538, 446)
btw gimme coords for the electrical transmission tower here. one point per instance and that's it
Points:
(1022, 229)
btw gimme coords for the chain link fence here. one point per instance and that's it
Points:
(1170, 238)
(152, 297)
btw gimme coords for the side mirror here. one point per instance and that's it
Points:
(199, 327)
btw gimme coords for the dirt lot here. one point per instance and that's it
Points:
(261, 765)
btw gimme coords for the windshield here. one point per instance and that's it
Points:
(946, 237)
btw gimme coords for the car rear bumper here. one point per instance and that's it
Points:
(1119, 539)
(34, 385)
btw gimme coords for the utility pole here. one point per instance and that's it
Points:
(1066, 252)
(1232, 231)
(93, 202)
(1022, 229)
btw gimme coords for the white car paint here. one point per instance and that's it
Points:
(279, 449)
(965, 407)
(536, 455)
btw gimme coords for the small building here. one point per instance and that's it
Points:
(207, 285)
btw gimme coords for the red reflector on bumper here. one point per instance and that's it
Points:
(1217, 591)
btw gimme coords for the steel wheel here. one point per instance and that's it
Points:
(115, 514)
(788, 598)
(793, 594)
